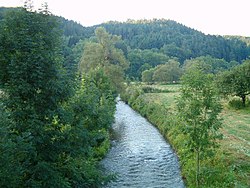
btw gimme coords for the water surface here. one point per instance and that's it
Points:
(139, 156)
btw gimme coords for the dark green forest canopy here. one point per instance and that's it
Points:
(177, 40)
(169, 37)
(157, 34)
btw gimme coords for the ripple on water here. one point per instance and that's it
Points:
(139, 154)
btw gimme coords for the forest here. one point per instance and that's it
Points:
(59, 81)
(147, 43)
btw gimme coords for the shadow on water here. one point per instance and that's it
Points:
(139, 156)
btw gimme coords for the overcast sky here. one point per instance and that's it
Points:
(222, 17)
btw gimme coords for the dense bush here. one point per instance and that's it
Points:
(53, 125)
(236, 103)
(148, 89)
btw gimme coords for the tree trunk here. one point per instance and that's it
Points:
(243, 97)
(197, 168)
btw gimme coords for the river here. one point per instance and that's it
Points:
(140, 156)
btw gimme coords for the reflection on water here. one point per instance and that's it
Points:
(139, 155)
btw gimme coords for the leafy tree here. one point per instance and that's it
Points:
(236, 81)
(46, 140)
(208, 64)
(11, 153)
(30, 63)
(147, 75)
(33, 81)
(141, 59)
(78, 50)
(169, 72)
(87, 117)
(199, 108)
(103, 54)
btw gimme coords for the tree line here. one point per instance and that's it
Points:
(148, 43)
(177, 40)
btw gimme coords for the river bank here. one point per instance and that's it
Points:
(159, 108)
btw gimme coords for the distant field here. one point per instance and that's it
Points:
(236, 127)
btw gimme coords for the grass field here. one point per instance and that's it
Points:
(236, 129)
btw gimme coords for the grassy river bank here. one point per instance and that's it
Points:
(229, 167)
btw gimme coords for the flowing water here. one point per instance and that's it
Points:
(139, 156)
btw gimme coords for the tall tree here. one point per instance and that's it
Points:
(199, 108)
(32, 80)
(30, 63)
(103, 54)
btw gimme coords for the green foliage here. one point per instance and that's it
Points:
(208, 64)
(236, 103)
(169, 72)
(217, 169)
(199, 108)
(141, 60)
(78, 50)
(236, 81)
(53, 129)
(103, 54)
(177, 40)
(29, 61)
(11, 153)
(174, 51)
(147, 75)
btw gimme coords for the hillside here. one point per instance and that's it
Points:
(165, 36)
(177, 40)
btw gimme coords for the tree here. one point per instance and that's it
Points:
(172, 50)
(208, 64)
(199, 107)
(49, 135)
(141, 59)
(147, 75)
(103, 54)
(236, 81)
(47, 150)
(11, 153)
(169, 72)
(34, 86)
(30, 63)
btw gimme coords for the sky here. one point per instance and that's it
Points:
(216, 17)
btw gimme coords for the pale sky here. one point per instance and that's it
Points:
(219, 17)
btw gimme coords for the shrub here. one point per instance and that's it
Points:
(236, 103)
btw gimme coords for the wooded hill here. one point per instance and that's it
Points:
(167, 36)
(170, 37)
(177, 40)
(148, 43)
(164, 37)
